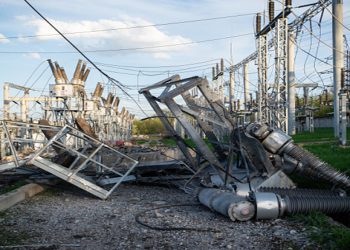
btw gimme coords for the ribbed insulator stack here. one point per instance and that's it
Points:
(258, 23)
(314, 168)
(298, 191)
(271, 10)
(288, 3)
(325, 204)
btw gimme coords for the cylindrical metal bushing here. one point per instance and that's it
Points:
(276, 140)
(227, 203)
(267, 206)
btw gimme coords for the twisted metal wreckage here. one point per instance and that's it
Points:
(244, 178)
(246, 175)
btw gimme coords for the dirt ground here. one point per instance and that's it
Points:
(61, 219)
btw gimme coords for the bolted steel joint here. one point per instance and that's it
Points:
(276, 141)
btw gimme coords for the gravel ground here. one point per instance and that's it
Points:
(53, 219)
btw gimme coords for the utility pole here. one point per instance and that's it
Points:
(263, 108)
(246, 88)
(232, 83)
(280, 120)
(291, 85)
(306, 107)
(338, 58)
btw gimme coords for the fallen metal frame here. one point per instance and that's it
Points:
(220, 116)
(74, 172)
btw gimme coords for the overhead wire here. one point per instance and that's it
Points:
(31, 75)
(320, 39)
(167, 66)
(133, 27)
(114, 81)
(341, 23)
(123, 49)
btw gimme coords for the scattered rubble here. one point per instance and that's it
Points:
(67, 217)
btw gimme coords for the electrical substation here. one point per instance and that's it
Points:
(86, 139)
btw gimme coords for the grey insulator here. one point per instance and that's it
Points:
(226, 203)
(298, 191)
(315, 168)
(327, 204)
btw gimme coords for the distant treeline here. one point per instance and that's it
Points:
(152, 125)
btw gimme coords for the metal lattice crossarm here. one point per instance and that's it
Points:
(296, 24)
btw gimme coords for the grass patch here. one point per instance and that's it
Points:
(141, 141)
(12, 187)
(170, 142)
(320, 134)
(153, 143)
(335, 156)
(323, 232)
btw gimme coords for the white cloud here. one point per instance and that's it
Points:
(31, 55)
(3, 39)
(124, 38)
(161, 55)
(22, 18)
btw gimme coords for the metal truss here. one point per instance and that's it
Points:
(279, 109)
(295, 25)
(263, 102)
(219, 116)
(72, 165)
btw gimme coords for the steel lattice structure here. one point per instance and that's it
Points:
(263, 110)
(279, 108)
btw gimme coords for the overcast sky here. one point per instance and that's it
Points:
(139, 56)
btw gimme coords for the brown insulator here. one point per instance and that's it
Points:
(342, 78)
(97, 89)
(100, 92)
(222, 65)
(86, 74)
(116, 102)
(64, 74)
(109, 98)
(127, 113)
(213, 72)
(271, 10)
(58, 70)
(258, 23)
(123, 111)
(54, 72)
(326, 92)
(81, 74)
(320, 101)
(77, 69)
(288, 3)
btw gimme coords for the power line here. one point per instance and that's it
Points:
(168, 66)
(133, 27)
(126, 49)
